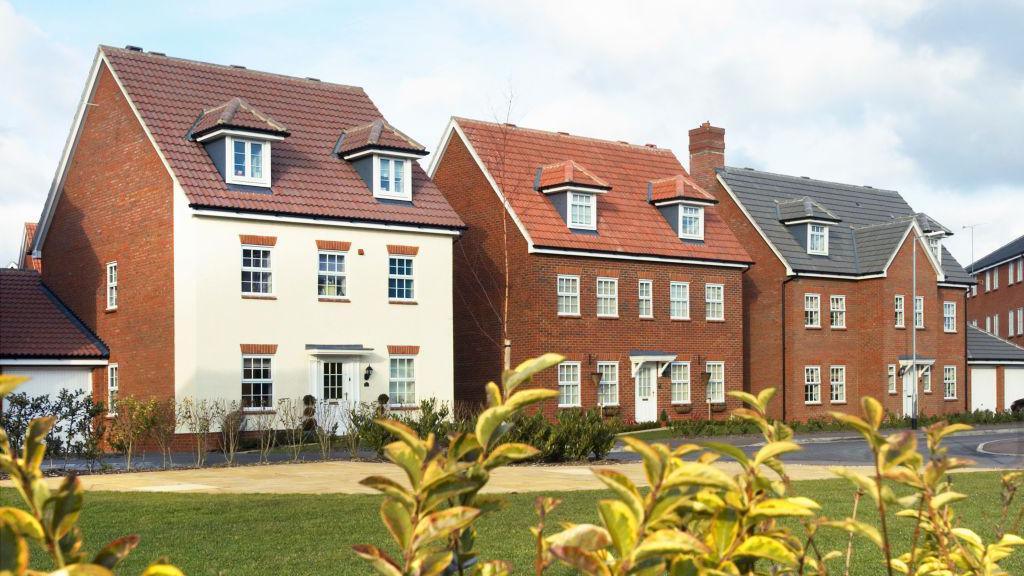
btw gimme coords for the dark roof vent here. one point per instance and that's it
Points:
(563, 133)
(510, 125)
(623, 142)
(649, 145)
(157, 53)
(133, 48)
(313, 79)
(240, 67)
(806, 177)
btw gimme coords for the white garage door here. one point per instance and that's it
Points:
(1014, 385)
(50, 379)
(983, 388)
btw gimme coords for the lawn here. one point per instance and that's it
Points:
(302, 534)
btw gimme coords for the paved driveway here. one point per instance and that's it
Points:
(989, 447)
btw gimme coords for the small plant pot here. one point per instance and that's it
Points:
(718, 407)
(682, 408)
(609, 411)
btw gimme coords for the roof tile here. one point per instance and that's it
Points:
(34, 323)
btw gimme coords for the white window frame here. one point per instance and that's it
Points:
(995, 278)
(645, 298)
(837, 311)
(339, 277)
(405, 193)
(823, 232)
(229, 167)
(1020, 321)
(112, 285)
(812, 310)
(926, 379)
(1009, 324)
(113, 385)
(988, 280)
(252, 269)
(699, 235)
(899, 311)
(919, 312)
(995, 324)
(948, 382)
(988, 324)
(1020, 269)
(1009, 275)
(409, 381)
(891, 378)
(410, 277)
(569, 297)
(716, 383)
(837, 384)
(974, 287)
(608, 301)
(260, 381)
(948, 318)
(608, 397)
(714, 302)
(569, 198)
(683, 302)
(812, 385)
(569, 395)
(680, 384)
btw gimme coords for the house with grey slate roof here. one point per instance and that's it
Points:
(834, 309)
(996, 302)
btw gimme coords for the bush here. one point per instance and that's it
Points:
(74, 432)
(19, 410)
(575, 436)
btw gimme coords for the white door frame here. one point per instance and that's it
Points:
(909, 378)
(649, 405)
(350, 375)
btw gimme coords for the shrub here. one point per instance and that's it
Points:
(130, 426)
(694, 518)
(580, 435)
(292, 417)
(371, 434)
(431, 418)
(262, 423)
(327, 419)
(197, 416)
(230, 420)
(19, 411)
(162, 426)
(51, 521)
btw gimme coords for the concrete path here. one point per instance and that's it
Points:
(343, 477)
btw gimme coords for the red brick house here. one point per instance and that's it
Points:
(243, 236)
(615, 258)
(831, 303)
(996, 303)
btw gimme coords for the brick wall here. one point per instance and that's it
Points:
(534, 326)
(116, 206)
(998, 302)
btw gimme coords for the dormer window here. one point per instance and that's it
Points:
(817, 239)
(249, 161)
(691, 222)
(582, 211)
(392, 178)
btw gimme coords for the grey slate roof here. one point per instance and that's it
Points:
(984, 347)
(1007, 251)
(871, 223)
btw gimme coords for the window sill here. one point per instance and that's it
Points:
(570, 316)
(648, 318)
(568, 406)
(839, 328)
(679, 319)
(687, 403)
(954, 332)
(403, 302)
(812, 327)
(838, 402)
(901, 327)
(110, 310)
(258, 297)
(258, 411)
(608, 317)
(403, 407)
(812, 403)
(326, 299)
(950, 399)
(714, 319)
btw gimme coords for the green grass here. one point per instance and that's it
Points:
(304, 534)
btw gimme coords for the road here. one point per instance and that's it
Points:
(990, 448)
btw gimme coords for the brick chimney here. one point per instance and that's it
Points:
(707, 152)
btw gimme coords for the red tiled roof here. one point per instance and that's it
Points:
(35, 324)
(679, 187)
(308, 180)
(236, 113)
(568, 172)
(627, 222)
(376, 134)
(27, 261)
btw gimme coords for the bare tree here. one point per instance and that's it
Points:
(263, 424)
(230, 420)
(327, 417)
(198, 417)
(163, 425)
(291, 415)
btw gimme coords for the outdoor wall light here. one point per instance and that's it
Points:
(366, 375)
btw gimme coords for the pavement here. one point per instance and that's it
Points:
(990, 448)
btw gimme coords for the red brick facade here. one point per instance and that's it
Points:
(534, 326)
(116, 205)
(775, 335)
(1004, 295)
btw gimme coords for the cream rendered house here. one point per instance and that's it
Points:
(240, 235)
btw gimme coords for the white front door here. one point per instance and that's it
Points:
(909, 381)
(336, 382)
(646, 393)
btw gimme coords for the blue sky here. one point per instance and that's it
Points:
(924, 98)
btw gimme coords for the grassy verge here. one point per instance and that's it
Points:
(306, 534)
